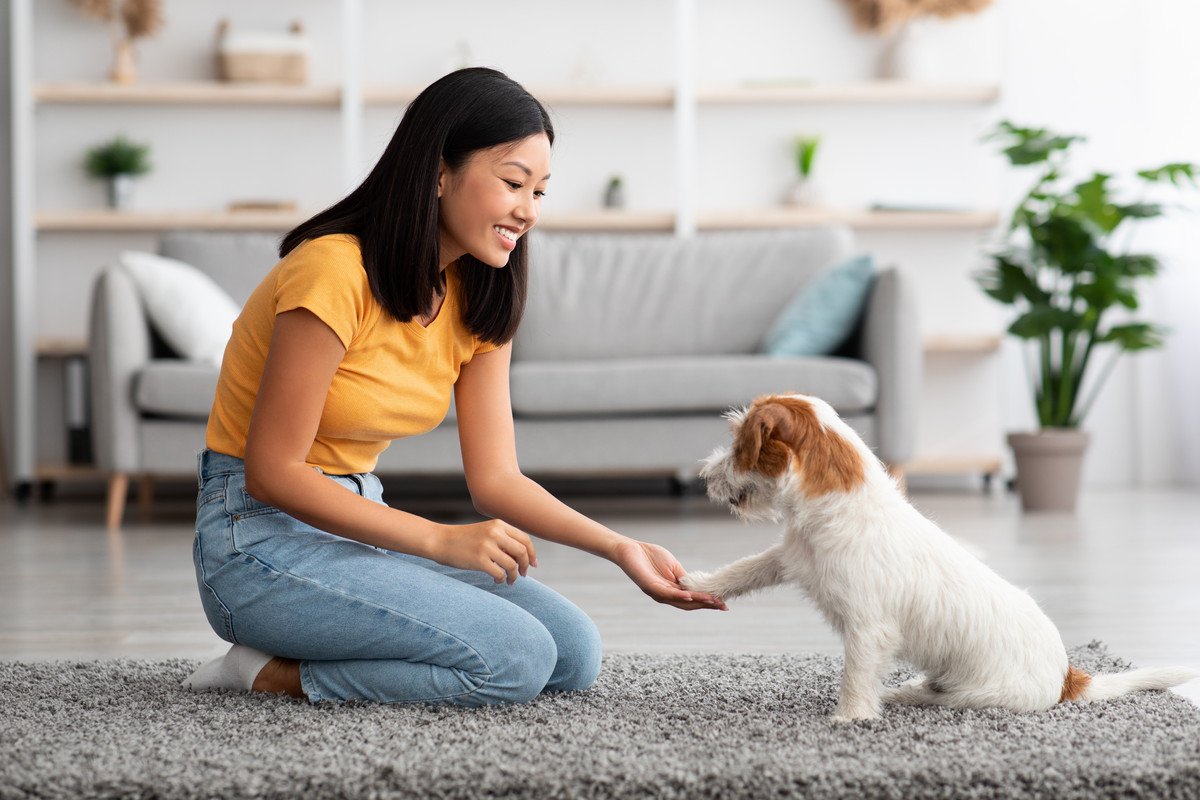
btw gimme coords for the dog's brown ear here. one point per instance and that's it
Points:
(825, 461)
(760, 441)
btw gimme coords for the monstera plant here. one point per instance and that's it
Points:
(1074, 290)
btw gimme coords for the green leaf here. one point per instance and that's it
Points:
(1134, 336)
(1030, 145)
(1009, 281)
(1093, 202)
(1063, 241)
(1038, 322)
(1176, 172)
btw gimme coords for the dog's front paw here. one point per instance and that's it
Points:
(848, 718)
(698, 582)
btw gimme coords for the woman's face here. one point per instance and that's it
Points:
(492, 200)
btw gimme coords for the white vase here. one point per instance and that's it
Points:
(906, 54)
(803, 192)
(120, 192)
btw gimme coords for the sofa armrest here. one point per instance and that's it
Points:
(118, 347)
(891, 343)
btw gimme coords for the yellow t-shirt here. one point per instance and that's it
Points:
(395, 380)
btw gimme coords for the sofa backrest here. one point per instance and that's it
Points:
(629, 295)
(236, 261)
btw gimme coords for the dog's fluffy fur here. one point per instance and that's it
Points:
(890, 581)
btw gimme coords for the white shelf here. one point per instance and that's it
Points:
(863, 219)
(962, 344)
(865, 92)
(980, 464)
(142, 221)
(190, 93)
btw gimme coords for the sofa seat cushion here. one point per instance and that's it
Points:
(176, 388)
(709, 384)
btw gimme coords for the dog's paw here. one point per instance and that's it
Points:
(697, 582)
(850, 718)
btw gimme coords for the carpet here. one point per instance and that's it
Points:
(670, 726)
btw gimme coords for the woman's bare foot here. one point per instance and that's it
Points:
(279, 675)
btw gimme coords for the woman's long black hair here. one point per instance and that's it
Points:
(394, 212)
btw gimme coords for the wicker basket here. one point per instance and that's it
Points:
(262, 58)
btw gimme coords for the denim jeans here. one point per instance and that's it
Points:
(372, 624)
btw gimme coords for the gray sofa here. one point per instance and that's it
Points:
(631, 348)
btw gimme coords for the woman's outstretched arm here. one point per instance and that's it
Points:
(499, 489)
(304, 355)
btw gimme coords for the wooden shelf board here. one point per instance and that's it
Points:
(970, 343)
(981, 464)
(106, 220)
(61, 348)
(609, 221)
(189, 93)
(653, 96)
(68, 472)
(784, 217)
(850, 93)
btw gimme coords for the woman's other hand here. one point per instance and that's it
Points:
(657, 573)
(492, 546)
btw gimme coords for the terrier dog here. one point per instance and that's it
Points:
(891, 582)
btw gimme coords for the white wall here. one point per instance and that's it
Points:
(1097, 73)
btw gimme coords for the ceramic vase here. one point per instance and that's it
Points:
(1049, 465)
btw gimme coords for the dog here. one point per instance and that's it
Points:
(891, 582)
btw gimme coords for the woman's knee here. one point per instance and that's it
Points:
(519, 670)
(579, 652)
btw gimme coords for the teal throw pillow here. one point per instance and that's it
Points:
(824, 313)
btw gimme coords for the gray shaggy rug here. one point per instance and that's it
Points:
(674, 726)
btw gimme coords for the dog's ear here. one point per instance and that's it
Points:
(776, 426)
(759, 444)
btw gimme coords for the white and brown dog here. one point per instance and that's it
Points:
(891, 582)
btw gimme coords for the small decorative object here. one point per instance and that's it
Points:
(262, 57)
(127, 20)
(904, 55)
(272, 206)
(803, 191)
(119, 162)
(1063, 275)
(614, 193)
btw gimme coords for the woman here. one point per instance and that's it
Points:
(411, 286)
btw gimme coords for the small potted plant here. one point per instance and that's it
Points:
(803, 192)
(1061, 271)
(614, 193)
(118, 162)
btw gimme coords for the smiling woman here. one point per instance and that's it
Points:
(381, 306)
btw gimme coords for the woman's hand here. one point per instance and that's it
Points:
(492, 546)
(657, 573)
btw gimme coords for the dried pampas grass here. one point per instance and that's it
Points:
(878, 16)
(140, 17)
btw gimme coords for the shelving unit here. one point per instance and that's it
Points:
(354, 94)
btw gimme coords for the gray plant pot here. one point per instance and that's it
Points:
(1049, 464)
(120, 192)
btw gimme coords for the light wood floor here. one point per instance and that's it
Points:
(1125, 570)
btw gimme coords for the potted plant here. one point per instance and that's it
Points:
(118, 162)
(803, 192)
(1061, 271)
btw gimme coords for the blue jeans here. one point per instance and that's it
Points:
(372, 624)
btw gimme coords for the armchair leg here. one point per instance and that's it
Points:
(118, 488)
(145, 494)
(897, 471)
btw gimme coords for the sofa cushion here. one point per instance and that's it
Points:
(193, 315)
(595, 296)
(176, 388)
(825, 312)
(708, 384)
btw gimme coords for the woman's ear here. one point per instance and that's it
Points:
(441, 177)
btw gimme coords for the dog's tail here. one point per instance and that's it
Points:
(1078, 685)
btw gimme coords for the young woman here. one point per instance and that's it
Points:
(411, 286)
